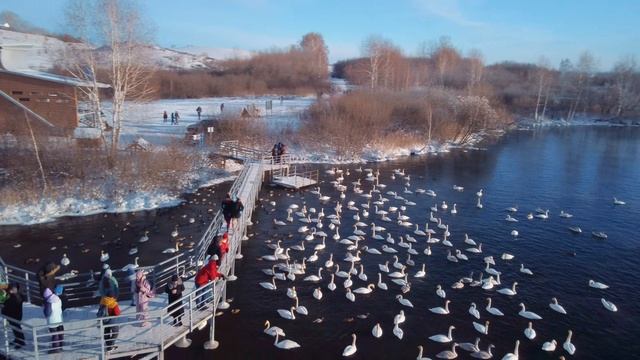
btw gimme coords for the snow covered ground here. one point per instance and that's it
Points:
(145, 120)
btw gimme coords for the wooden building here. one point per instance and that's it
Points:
(50, 100)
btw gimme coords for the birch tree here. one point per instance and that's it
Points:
(584, 70)
(626, 80)
(543, 86)
(118, 30)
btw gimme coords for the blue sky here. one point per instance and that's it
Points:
(500, 29)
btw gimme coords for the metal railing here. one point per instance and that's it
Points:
(84, 338)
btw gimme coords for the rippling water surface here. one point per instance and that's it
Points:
(578, 170)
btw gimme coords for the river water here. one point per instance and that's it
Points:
(578, 170)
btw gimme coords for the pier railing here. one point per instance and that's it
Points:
(83, 338)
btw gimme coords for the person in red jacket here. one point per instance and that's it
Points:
(206, 274)
(223, 244)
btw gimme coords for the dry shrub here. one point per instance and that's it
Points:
(248, 131)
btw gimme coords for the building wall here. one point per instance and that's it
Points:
(55, 102)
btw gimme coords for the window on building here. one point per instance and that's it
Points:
(35, 93)
(24, 99)
(16, 92)
(53, 94)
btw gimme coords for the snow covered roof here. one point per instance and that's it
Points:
(59, 79)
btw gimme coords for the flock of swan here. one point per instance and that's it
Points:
(401, 259)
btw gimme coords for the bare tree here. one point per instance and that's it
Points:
(476, 69)
(313, 44)
(626, 76)
(373, 50)
(445, 57)
(543, 85)
(583, 72)
(118, 30)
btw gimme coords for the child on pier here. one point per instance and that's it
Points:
(143, 294)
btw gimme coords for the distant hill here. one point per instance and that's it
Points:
(216, 53)
(40, 52)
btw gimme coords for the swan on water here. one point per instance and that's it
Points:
(440, 292)
(365, 290)
(332, 285)
(484, 354)
(381, 285)
(272, 330)
(567, 345)
(474, 311)
(145, 237)
(524, 270)
(598, 285)
(441, 310)
(557, 307)
(528, 314)
(104, 256)
(350, 296)
(287, 314)
(471, 347)
(301, 309)
(404, 301)
(397, 331)
(608, 305)
(420, 350)
(448, 354)
(285, 344)
(269, 285)
(514, 355)
(618, 202)
(350, 349)
(377, 331)
(441, 338)
(482, 329)
(529, 332)
(421, 273)
(509, 291)
(65, 260)
(493, 310)
(317, 294)
(549, 346)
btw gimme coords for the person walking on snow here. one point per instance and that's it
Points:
(143, 294)
(173, 118)
(199, 111)
(177, 117)
(164, 116)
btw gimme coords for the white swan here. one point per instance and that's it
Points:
(493, 310)
(514, 355)
(598, 285)
(525, 270)
(377, 331)
(332, 285)
(145, 237)
(272, 330)
(381, 285)
(441, 310)
(350, 296)
(529, 332)
(287, 314)
(454, 210)
(365, 290)
(397, 331)
(420, 350)
(568, 346)
(609, 305)
(482, 329)
(509, 291)
(350, 349)
(269, 285)
(448, 354)
(317, 294)
(421, 273)
(441, 338)
(314, 278)
(484, 354)
(471, 347)
(285, 344)
(557, 307)
(301, 309)
(528, 314)
(104, 256)
(404, 301)
(279, 222)
(65, 260)
(549, 346)
(618, 202)
(474, 311)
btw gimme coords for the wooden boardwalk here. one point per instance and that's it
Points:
(293, 182)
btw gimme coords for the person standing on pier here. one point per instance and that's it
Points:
(13, 309)
(238, 207)
(174, 289)
(227, 210)
(143, 294)
(53, 314)
(109, 307)
(205, 275)
(110, 286)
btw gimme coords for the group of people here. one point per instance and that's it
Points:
(109, 292)
(278, 150)
(175, 117)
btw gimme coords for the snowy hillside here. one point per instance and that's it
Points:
(40, 52)
(217, 53)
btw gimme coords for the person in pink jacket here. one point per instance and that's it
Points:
(144, 293)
